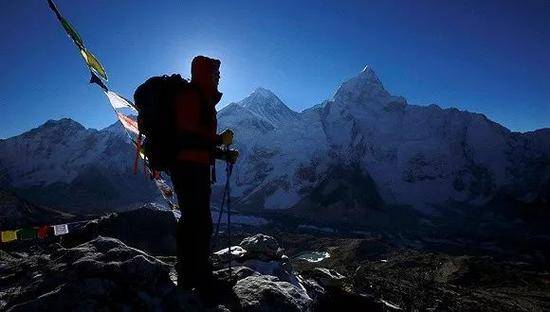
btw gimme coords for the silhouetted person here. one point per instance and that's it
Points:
(192, 172)
(177, 120)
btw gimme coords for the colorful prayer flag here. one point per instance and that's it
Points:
(98, 73)
(128, 123)
(93, 63)
(8, 236)
(67, 26)
(44, 231)
(72, 33)
(95, 79)
(118, 101)
(60, 229)
(26, 233)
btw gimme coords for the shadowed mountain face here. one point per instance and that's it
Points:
(364, 150)
(16, 212)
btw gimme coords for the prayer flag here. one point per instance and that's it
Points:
(99, 76)
(8, 236)
(27, 233)
(97, 81)
(44, 231)
(128, 123)
(93, 63)
(67, 26)
(60, 229)
(118, 101)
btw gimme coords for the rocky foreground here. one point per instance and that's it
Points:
(99, 267)
(106, 274)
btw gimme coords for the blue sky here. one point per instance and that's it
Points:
(483, 56)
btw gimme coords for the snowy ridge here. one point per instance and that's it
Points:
(423, 156)
(63, 164)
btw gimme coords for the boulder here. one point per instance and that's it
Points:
(148, 228)
(326, 277)
(273, 268)
(221, 256)
(269, 294)
(101, 273)
(262, 247)
(234, 274)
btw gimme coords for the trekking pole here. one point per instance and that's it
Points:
(216, 240)
(229, 170)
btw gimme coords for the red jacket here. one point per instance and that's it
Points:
(196, 124)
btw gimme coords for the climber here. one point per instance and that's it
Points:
(178, 121)
(193, 171)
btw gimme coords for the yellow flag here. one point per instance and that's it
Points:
(8, 236)
(93, 63)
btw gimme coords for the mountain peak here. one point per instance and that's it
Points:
(367, 70)
(66, 123)
(263, 96)
(365, 87)
(267, 105)
(260, 91)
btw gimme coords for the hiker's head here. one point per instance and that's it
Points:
(205, 72)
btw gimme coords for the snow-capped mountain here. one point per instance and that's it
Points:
(423, 156)
(268, 106)
(64, 165)
(364, 150)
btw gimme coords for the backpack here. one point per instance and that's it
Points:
(154, 100)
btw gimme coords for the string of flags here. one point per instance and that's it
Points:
(41, 232)
(124, 109)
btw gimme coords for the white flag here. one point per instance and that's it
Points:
(60, 229)
(118, 101)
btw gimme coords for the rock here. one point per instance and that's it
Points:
(273, 268)
(147, 228)
(237, 273)
(262, 246)
(339, 299)
(269, 294)
(326, 277)
(92, 276)
(314, 290)
(223, 255)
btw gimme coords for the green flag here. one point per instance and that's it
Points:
(26, 233)
(92, 61)
(72, 33)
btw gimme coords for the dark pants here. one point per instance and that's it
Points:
(194, 230)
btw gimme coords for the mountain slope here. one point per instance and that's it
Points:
(61, 164)
(16, 212)
(422, 156)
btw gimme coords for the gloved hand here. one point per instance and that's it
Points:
(226, 137)
(232, 156)
(229, 155)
